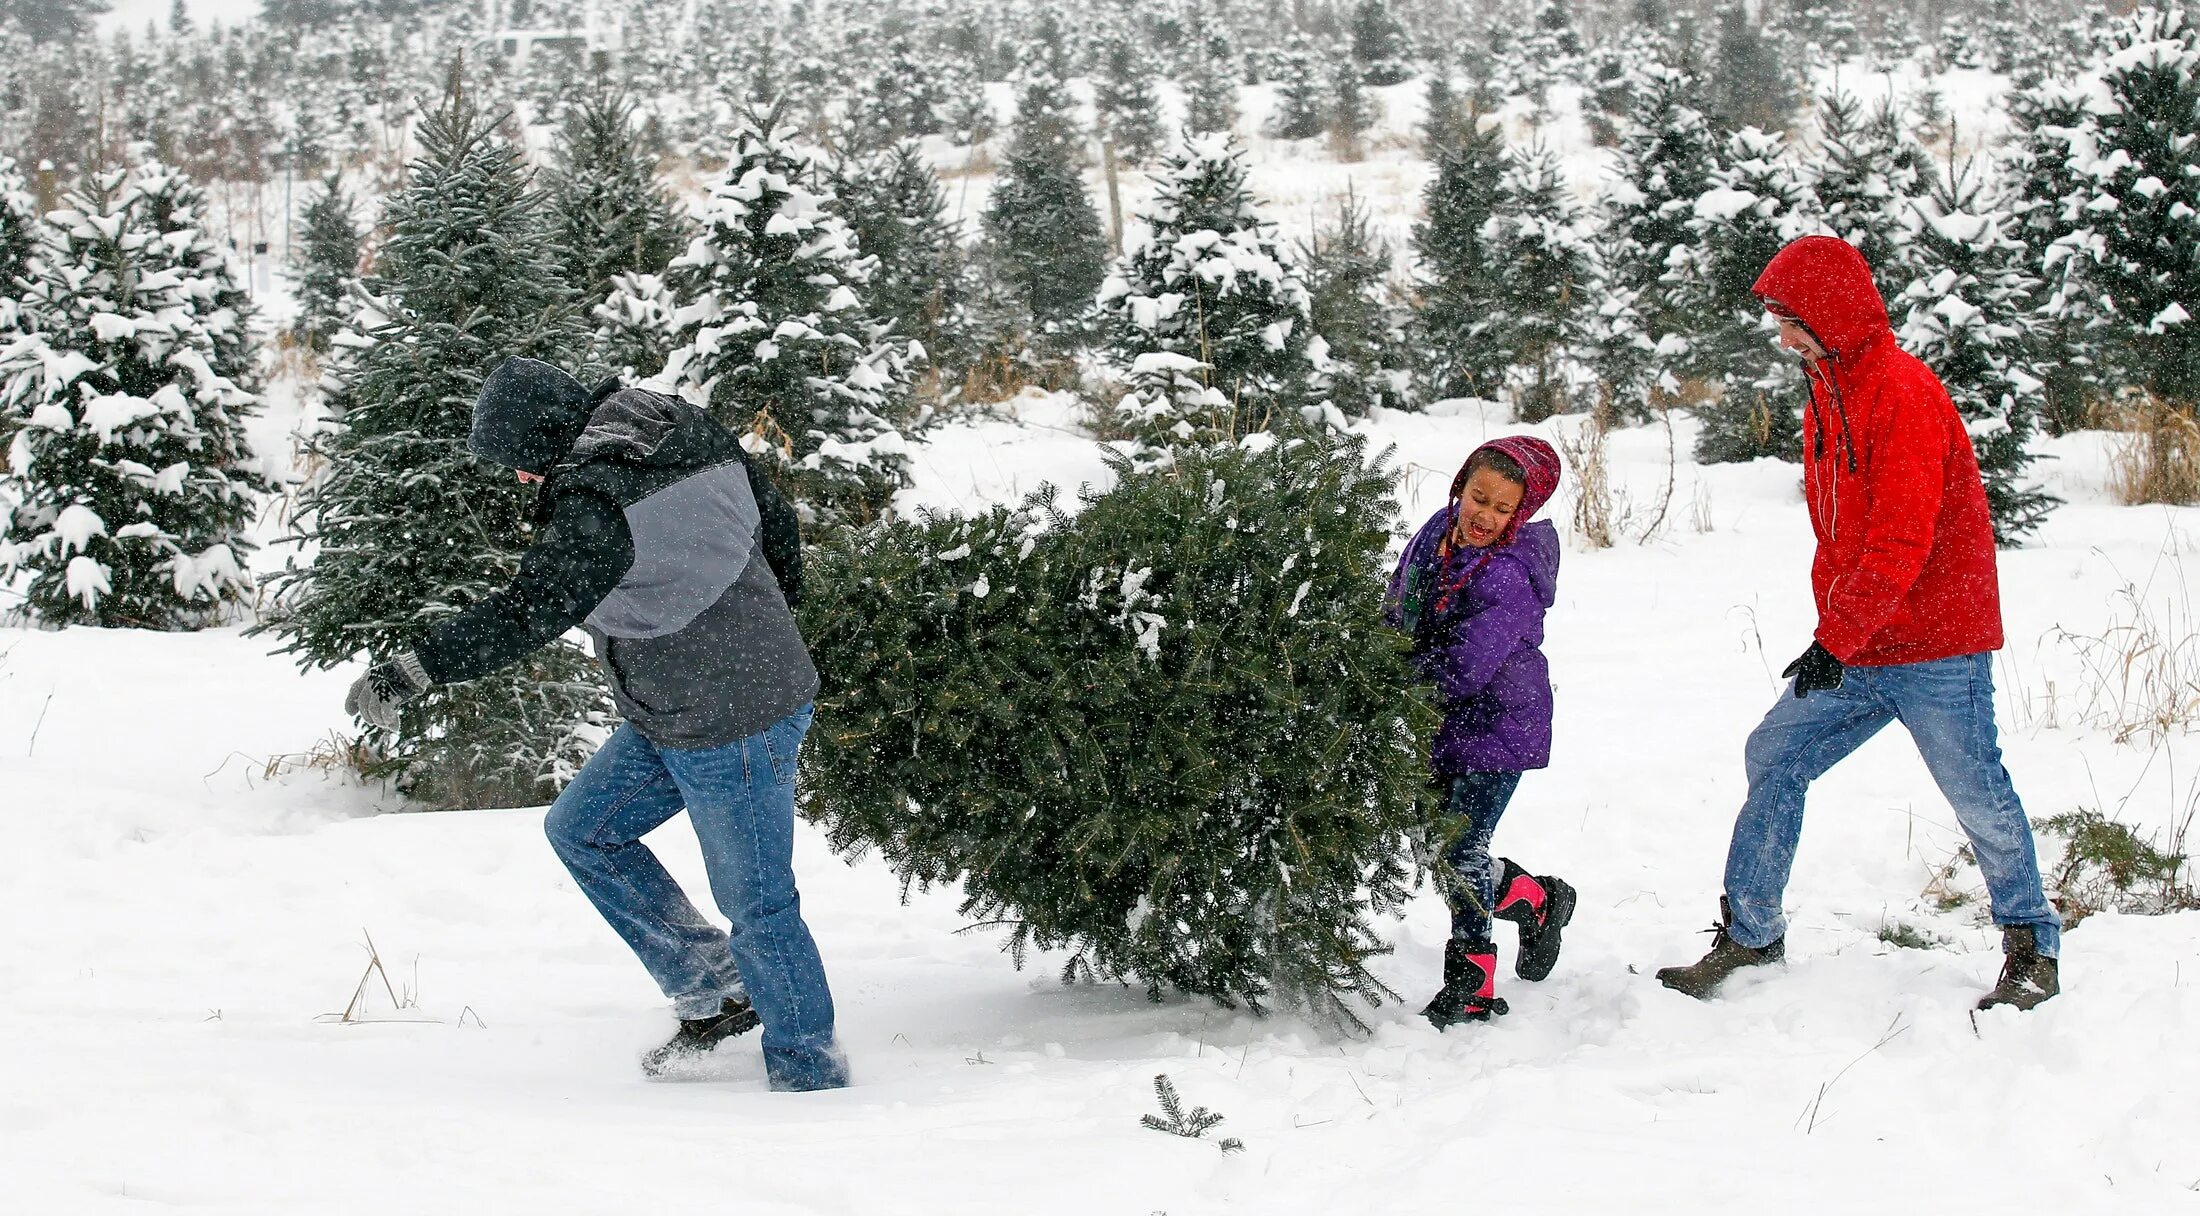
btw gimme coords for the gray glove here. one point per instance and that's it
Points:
(375, 696)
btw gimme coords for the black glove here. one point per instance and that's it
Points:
(1814, 670)
(375, 696)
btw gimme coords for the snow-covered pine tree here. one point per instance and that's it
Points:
(1357, 343)
(1210, 92)
(1825, 29)
(1443, 118)
(2043, 163)
(20, 231)
(1666, 157)
(1206, 315)
(1756, 203)
(410, 528)
(130, 475)
(1126, 103)
(774, 337)
(1352, 111)
(1967, 313)
(611, 216)
(328, 267)
(2148, 203)
(1301, 93)
(1379, 44)
(1163, 733)
(633, 329)
(1540, 316)
(1044, 246)
(1752, 87)
(1553, 52)
(920, 284)
(1458, 281)
(175, 207)
(1869, 175)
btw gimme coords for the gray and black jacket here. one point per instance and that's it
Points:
(648, 536)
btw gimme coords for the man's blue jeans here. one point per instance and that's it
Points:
(740, 800)
(1948, 707)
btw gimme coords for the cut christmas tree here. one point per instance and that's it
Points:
(1164, 733)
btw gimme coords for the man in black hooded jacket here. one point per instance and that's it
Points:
(650, 536)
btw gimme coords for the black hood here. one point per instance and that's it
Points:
(528, 415)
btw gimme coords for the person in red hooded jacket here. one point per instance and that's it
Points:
(1909, 614)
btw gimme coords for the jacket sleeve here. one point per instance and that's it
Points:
(1907, 478)
(1481, 643)
(580, 556)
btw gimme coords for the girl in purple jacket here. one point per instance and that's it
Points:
(1472, 589)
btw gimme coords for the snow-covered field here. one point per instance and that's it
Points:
(188, 900)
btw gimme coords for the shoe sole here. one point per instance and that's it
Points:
(1563, 897)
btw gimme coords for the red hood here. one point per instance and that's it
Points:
(1824, 281)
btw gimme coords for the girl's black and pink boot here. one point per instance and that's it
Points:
(1542, 906)
(1470, 972)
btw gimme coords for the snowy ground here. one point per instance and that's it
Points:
(189, 898)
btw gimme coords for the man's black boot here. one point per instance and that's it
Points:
(1700, 978)
(2027, 976)
(1542, 906)
(699, 1036)
(1470, 971)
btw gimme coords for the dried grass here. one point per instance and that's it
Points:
(2159, 458)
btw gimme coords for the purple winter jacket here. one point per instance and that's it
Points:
(1484, 654)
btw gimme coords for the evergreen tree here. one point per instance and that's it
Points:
(1540, 314)
(1357, 346)
(1210, 94)
(1666, 158)
(19, 238)
(634, 327)
(1826, 29)
(1869, 176)
(1444, 121)
(775, 338)
(329, 268)
(175, 208)
(1379, 44)
(1351, 111)
(1043, 238)
(1163, 732)
(611, 217)
(2148, 184)
(1553, 51)
(408, 526)
(1300, 94)
(1206, 315)
(1128, 106)
(1967, 313)
(1752, 85)
(2043, 161)
(1757, 202)
(898, 212)
(1458, 278)
(130, 474)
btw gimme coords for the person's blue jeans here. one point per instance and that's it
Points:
(1480, 799)
(1948, 707)
(740, 799)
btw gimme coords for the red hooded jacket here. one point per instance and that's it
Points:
(1905, 566)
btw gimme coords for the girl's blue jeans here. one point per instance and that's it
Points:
(1480, 799)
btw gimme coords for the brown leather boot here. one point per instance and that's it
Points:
(1700, 978)
(2027, 976)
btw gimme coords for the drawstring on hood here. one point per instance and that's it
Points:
(1824, 283)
